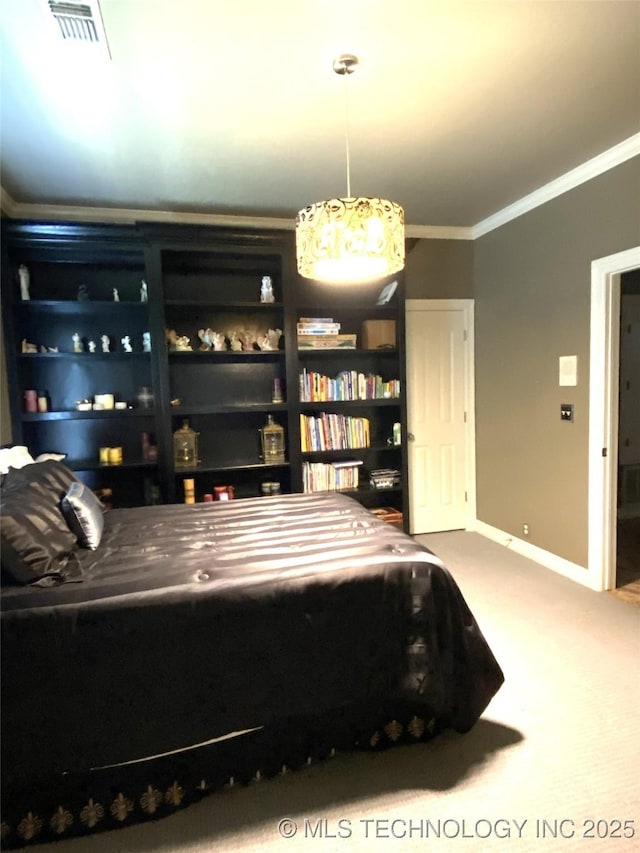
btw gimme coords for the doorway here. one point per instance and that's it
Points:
(603, 413)
(440, 421)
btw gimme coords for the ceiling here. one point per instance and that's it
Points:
(457, 110)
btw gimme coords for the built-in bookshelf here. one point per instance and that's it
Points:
(205, 341)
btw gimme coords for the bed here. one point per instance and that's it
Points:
(197, 646)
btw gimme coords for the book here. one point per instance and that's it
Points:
(327, 341)
(318, 329)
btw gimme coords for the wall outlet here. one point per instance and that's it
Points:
(525, 529)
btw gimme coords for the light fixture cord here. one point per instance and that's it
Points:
(346, 134)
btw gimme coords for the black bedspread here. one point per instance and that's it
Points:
(196, 621)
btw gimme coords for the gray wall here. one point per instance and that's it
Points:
(440, 269)
(532, 305)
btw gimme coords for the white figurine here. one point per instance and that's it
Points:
(77, 343)
(266, 290)
(92, 346)
(126, 343)
(116, 295)
(104, 340)
(23, 275)
(144, 294)
(146, 341)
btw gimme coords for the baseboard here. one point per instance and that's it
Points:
(570, 570)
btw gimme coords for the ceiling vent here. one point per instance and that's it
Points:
(79, 23)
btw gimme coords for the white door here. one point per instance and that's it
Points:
(439, 395)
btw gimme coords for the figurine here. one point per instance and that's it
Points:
(234, 342)
(266, 290)
(144, 295)
(83, 293)
(92, 346)
(77, 343)
(23, 275)
(219, 342)
(177, 343)
(28, 347)
(270, 341)
(146, 342)
(205, 336)
(104, 340)
(116, 295)
(126, 343)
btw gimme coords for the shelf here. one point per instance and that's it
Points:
(224, 307)
(225, 355)
(30, 417)
(231, 408)
(94, 465)
(240, 466)
(94, 356)
(346, 404)
(329, 351)
(347, 452)
(81, 306)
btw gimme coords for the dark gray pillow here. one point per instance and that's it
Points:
(51, 475)
(83, 512)
(35, 539)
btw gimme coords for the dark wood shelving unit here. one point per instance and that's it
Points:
(198, 278)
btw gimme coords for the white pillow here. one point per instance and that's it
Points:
(14, 457)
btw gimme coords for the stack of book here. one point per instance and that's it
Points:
(322, 333)
(330, 476)
(347, 385)
(333, 432)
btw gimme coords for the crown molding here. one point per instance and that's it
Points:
(439, 232)
(592, 168)
(581, 174)
(129, 216)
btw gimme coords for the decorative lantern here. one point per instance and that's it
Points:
(272, 437)
(185, 446)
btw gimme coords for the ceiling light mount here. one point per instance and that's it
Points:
(346, 63)
(349, 240)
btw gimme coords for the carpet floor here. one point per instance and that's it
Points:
(551, 766)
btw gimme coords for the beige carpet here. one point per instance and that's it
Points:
(553, 761)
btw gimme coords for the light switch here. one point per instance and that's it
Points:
(566, 411)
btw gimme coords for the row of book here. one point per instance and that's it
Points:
(333, 432)
(322, 333)
(330, 476)
(347, 385)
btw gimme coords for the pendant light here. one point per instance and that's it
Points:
(349, 240)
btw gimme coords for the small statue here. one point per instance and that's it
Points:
(126, 343)
(28, 347)
(146, 342)
(77, 343)
(219, 342)
(116, 295)
(92, 346)
(266, 290)
(83, 293)
(270, 341)
(177, 343)
(234, 341)
(144, 294)
(205, 336)
(248, 340)
(23, 275)
(104, 340)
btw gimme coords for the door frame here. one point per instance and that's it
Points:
(467, 307)
(604, 361)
